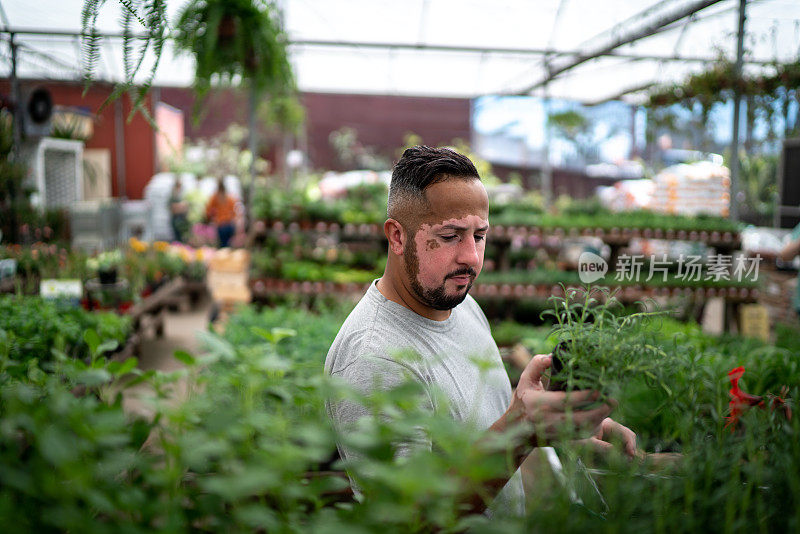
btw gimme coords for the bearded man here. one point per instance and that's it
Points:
(438, 221)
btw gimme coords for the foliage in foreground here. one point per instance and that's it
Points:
(246, 448)
(31, 328)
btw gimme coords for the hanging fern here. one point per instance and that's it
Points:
(235, 39)
(91, 41)
(152, 16)
(230, 40)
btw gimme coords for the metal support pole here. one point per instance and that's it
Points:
(252, 145)
(16, 150)
(633, 152)
(737, 96)
(119, 141)
(155, 98)
(547, 170)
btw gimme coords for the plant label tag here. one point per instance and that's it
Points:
(61, 289)
(8, 268)
(755, 321)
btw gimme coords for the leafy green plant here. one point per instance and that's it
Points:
(14, 196)
(759, 182)
(607, 220)
(248, 448)
(364, 204)
(31, 328)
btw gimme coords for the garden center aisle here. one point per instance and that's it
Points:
(180, 333)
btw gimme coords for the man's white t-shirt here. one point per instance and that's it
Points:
(365, 353)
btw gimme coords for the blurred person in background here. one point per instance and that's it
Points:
(221, 212)
(438, 222)
(178, 212)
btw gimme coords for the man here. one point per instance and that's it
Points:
(438, 222)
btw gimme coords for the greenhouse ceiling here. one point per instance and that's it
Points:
(583, 50)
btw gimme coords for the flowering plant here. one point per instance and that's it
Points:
(741, 400)
(105, 261)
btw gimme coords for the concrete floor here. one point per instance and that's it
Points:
(180, 333)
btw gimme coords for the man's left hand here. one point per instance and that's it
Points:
(608, 431)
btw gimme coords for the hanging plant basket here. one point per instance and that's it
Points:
(230, 39)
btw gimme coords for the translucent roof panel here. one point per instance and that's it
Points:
(461, 48)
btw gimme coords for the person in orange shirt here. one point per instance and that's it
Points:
(221, 211)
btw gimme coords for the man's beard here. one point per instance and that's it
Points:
(434, 298)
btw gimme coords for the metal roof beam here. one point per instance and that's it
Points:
(620, 94)
(639, 33)
(410, 46)
(509, 51)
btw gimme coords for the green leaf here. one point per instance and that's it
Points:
(184, 357)
(275, 335)
(107, 346)
(57, 446)
(261, 332)
(144, 377)
(279, 333)
(92, 341)
(218, 345)
(127, 366)
(93, 377)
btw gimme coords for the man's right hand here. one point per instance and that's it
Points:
(554, 414)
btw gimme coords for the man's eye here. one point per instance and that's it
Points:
(449, 237)
(479, 237)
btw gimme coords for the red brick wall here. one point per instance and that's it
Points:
(380, 121)
(138, 135)
(219, 110)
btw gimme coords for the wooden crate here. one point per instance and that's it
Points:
(230, 261)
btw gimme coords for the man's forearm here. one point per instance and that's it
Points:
(791, 250)
(513, 457)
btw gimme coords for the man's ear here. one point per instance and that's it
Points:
(396, 235)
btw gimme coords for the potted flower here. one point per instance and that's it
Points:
(106, 265)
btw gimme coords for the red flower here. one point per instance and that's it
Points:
(739, 399)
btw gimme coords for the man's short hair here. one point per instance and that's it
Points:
(422, 166)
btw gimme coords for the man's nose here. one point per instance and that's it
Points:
(468, 253)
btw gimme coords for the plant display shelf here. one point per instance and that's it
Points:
(195, 289)
(7, 285)
(149, 312)
(269, 287)
(505, 233)
(189, 295)
(131, 348)
(502, 238)
(348, 231)
(625, 293)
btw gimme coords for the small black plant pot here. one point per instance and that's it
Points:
(107, 277)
